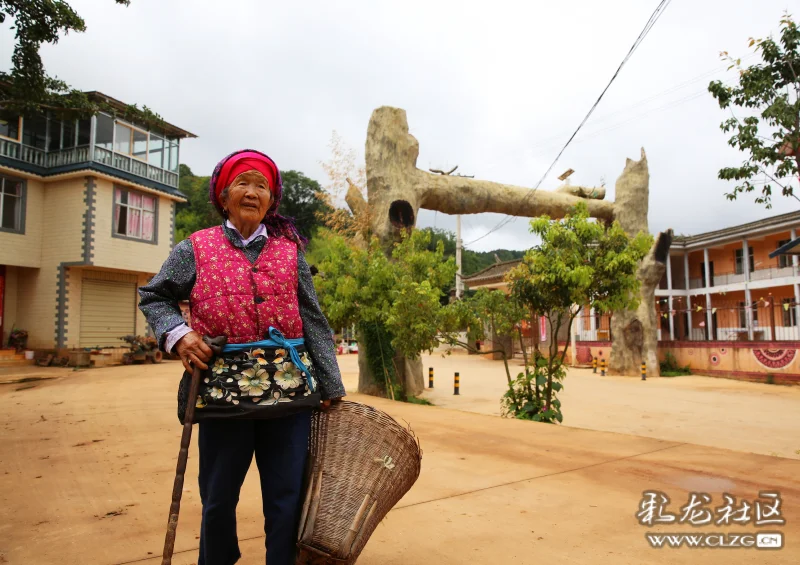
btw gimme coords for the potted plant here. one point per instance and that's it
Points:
(18, 339)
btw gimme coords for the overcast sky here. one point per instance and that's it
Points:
(495, 87)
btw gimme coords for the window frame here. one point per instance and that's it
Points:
(784, 261)
(114, 205)
(167, 142)
(738, 260)
(132, 128)
(19, 132)
(23, 203)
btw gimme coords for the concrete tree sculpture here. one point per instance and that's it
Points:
(397, 189)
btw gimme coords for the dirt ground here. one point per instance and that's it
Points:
(87, 462)
(715, 412)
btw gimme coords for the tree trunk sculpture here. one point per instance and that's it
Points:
(397, 189)
(635, 332)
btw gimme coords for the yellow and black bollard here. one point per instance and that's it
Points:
(644, 371)
(594, 365)
(602, 367)
(430, 377)
(457, 384)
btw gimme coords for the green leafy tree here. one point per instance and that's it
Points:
(304, 200)
(491, 311)
(578, 263)
(394, 302)
(197, 213)
(766, 124)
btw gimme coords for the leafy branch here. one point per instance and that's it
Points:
(769, 92)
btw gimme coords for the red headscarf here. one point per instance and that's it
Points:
(243, 162)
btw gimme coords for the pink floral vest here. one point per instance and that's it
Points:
(240, 300)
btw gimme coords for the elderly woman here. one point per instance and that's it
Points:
(247, 280)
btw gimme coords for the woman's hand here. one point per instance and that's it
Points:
(327, 403)
(193, 351)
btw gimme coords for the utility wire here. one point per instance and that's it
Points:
(550, 141)
(592, 134)
(645, 31)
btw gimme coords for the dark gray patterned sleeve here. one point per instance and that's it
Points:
(318, 335)
(160, 298)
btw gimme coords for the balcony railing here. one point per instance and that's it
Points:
(49, 159)
(765, 320)
(764, 273)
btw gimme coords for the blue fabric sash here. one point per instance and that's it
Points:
(278, 340)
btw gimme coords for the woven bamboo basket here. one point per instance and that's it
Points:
(361, 462)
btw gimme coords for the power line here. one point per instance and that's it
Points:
(637, 117)
(548, 142)
(645, 31)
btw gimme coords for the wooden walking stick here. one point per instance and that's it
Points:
(183, 455)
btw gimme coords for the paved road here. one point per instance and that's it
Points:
(87, 460)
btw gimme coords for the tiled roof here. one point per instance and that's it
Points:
(741, 230)
(492, 273)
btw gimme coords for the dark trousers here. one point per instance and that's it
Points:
(226, 449)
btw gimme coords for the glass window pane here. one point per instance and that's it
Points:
(148, 221)
(135, 200)
(122, 139)
(55, 136)
(11, 205)
(139, 144)
(34, 132)
(121, 220)
(156, 155)
(104, 131)
(134, 222)
(173, 156)
(12, 187)
(9, 124)
(149, 203)
(68, 137)
(84, 131)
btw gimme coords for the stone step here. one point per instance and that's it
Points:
(16, 361)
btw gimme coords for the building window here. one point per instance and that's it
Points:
(104, 132)
(10, 125)
(789, 313)
(130, 141)
(84, 132)
(54, 141)
(134, 215)
(155, 155)
(743, 314)
(34, 132)
(739, 260)
(784, 260)
(12, 205)
(68, 132)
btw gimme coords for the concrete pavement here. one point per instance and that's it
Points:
(87, 461)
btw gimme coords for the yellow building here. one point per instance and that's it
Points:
(87, 214)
